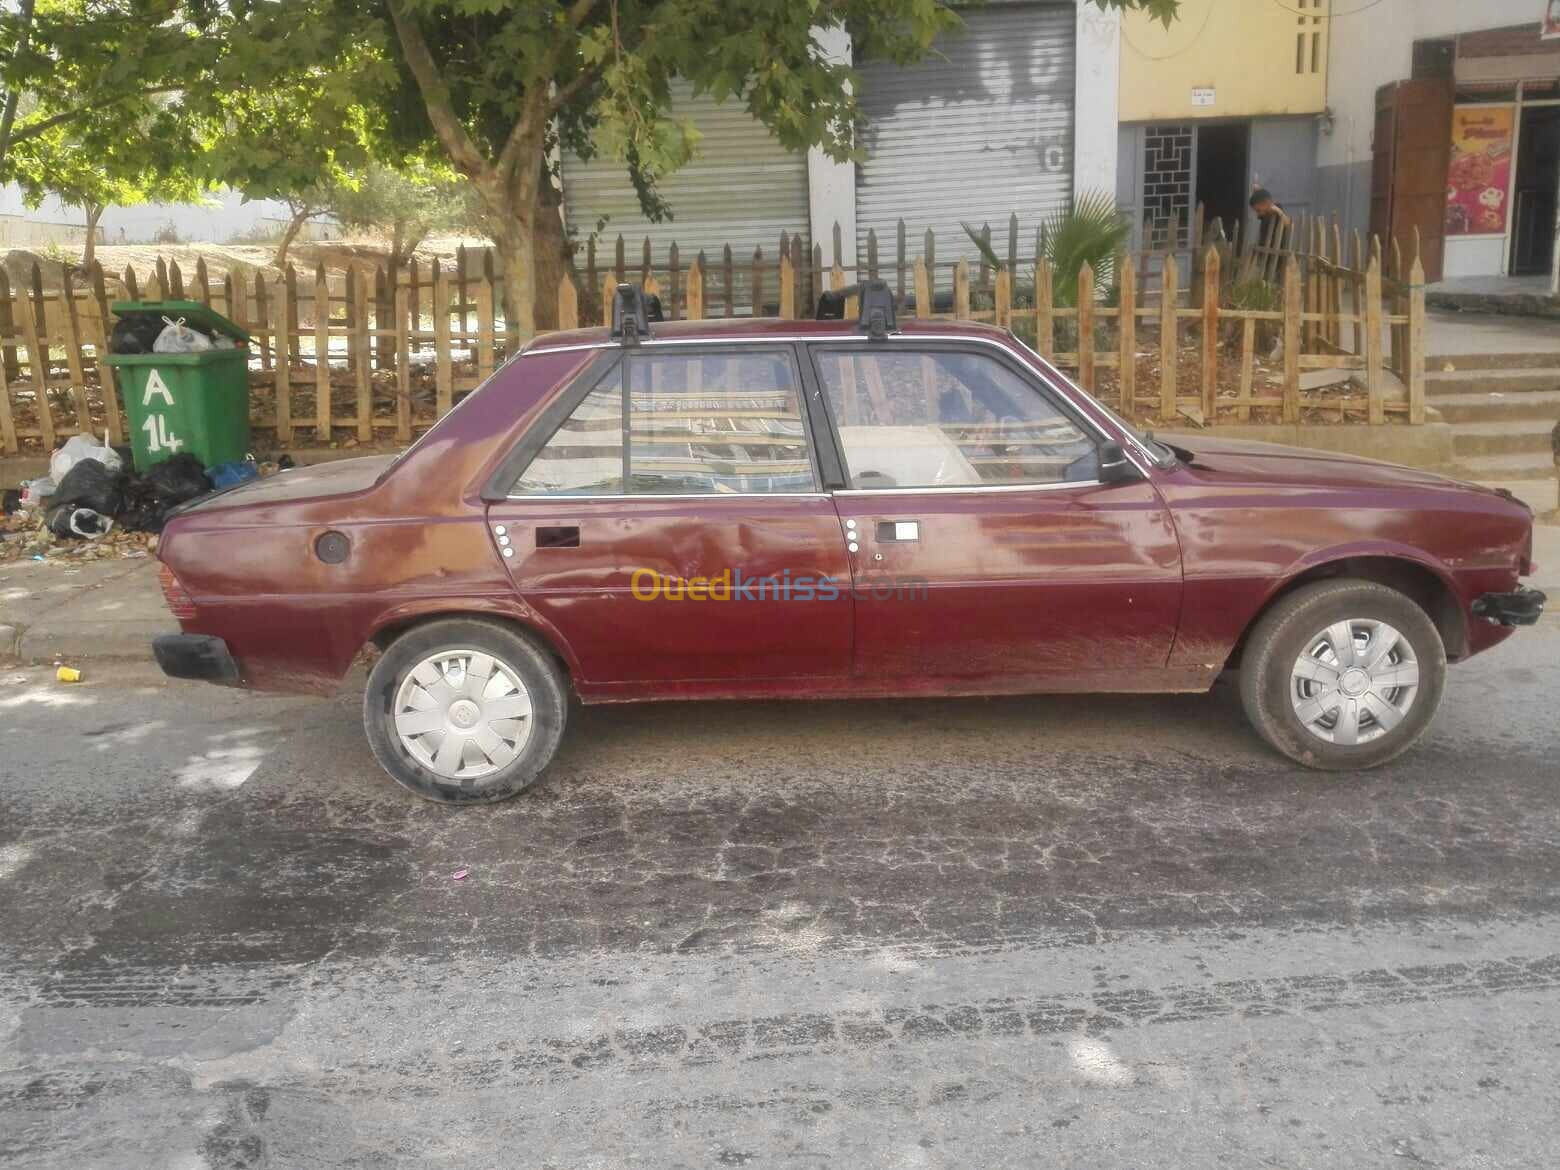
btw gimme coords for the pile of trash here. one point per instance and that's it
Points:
(154, 333)
(93, 494)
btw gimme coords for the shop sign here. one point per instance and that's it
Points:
(1478, 181)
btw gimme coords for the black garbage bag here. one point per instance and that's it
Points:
(135, 333)
(178, 479)
(89, 484)
(150, 497)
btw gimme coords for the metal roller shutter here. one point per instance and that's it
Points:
(743, 189)
(980, 132)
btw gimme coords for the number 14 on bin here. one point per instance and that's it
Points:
(158, 436)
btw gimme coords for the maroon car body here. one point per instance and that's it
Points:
(1147, 584)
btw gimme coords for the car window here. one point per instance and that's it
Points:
(716, 423)
(947, 419)
(712, 423)
(584, 457)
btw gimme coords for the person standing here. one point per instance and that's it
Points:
(1269, 214)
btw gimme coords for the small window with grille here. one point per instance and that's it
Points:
(1308, 37)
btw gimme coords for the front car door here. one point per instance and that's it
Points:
(987, 553)
(671, 527)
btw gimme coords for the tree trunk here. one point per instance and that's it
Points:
(89, 251)
(553, 256)
(294, 226)
(515, 244)
(398, 246)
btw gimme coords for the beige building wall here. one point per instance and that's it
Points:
(1257, 57)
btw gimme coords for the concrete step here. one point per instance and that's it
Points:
(1541, 360)
(1439, 382)
(1501, 468)
(1488, 406)
(1504, 437)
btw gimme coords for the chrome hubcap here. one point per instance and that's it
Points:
(462, 714)
(1354, 681)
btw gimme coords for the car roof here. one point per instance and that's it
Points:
(730, 329)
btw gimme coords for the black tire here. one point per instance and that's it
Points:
(529, 662)
(1282, 634)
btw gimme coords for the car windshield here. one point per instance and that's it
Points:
(1161, 452)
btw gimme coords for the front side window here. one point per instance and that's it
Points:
(697, 424)
(948, 419)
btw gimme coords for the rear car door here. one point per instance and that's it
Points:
(984, 545)
(670, 525)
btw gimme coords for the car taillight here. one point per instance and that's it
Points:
(180, 603)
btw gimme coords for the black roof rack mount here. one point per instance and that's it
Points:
(632, 312)
(877, 307)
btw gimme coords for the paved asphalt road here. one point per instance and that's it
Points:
(1033, 932)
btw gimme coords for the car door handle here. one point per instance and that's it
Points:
(558, 537)
(898, 531)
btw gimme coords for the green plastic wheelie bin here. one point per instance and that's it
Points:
(186, 402)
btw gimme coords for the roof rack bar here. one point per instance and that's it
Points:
(876, 317)
(632, 312)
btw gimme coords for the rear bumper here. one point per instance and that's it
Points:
(196, 656)
(1522, 607)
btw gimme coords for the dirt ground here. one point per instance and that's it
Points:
(242, 260)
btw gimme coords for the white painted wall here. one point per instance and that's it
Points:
(1375, 45)
(831, 186)
(223, 217)
(1372, 45)
(1097, 88)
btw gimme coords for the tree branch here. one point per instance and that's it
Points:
(13, 94)
(580, 11)
(566, 92)
(526, 134)
(35, 129)
(463, 152)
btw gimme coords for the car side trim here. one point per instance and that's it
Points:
(971, 488)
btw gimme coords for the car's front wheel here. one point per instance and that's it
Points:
(1343, 674)
(464, 710)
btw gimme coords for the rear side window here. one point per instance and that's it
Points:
(585, 455)
(947, 419)
(696, 424)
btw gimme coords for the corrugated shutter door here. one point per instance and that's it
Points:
(743, 189)
(980, 132)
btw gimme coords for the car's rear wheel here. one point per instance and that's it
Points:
(1343, 674)
(464, 711)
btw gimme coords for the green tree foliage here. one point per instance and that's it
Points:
(404, 202)
(169, 96)
(496, 83)
(94, 172)
(285, 94)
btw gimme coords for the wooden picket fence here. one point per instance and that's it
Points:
(368, 354)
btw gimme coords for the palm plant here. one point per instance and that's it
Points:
(1094, 232)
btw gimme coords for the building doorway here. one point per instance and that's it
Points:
(1223, 164)
(1533, 200)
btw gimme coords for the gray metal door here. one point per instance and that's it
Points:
(743, 188)
(978, 130)
(1283, 159)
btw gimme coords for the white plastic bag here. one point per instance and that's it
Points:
(77, 448)
(89, 525)
(177, 337)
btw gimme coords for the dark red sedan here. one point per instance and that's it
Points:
(768, 509)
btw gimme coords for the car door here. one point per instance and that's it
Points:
(671, 527)
(983, 545)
